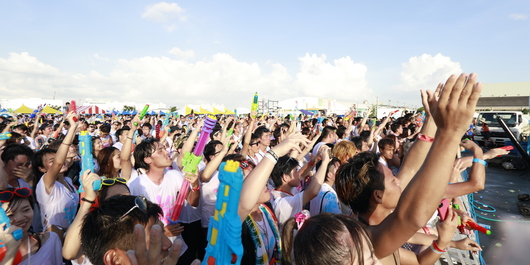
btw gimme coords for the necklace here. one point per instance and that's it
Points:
(264, 231)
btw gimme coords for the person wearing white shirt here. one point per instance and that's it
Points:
(160, 185)
(285, 177)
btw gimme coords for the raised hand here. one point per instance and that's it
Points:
(457, 102)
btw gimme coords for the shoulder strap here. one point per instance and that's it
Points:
(322, 201)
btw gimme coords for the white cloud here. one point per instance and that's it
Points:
(343, 79)
(188, 54)
(426, 72)
(518, 16)
(216, 42)
(164, 12)
(220, 79)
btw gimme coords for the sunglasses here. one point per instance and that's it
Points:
(140, 202)
(7, 195)
(255, 143)
(245, 164)
(112, 181)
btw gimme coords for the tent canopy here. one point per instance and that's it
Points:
(50, 110)
(24, 110)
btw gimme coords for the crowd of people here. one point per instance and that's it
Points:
(317, 190)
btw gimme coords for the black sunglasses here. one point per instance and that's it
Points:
(255, 143)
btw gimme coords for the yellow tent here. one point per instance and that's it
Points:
(188, 110)
(227, 111)
(49, 110)
(23, 109)
(216, 111)
(204, 111)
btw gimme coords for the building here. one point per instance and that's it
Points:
(504, 96)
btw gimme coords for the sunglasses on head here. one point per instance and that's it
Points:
(7, 195)
(140, 202)
(112, 181)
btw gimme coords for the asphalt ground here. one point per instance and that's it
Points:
(509, 242)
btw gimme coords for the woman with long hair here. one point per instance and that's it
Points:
(42, 248)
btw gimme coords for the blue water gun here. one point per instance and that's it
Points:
(87, 160)
(224, 231)
(17, 234)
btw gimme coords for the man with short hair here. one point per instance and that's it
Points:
(121, 135)
(108, 230)
(16, 160)
(45, 130)
(161, 185)
(264, 136)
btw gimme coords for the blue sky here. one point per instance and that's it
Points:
(180, 52)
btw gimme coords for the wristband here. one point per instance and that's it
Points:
(66, 144)
(273, 154)
(480, 161)
(271, 158)
(437, 249)
(425, 138)
(195, 189)
(87, 200)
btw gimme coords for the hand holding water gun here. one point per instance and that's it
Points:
(143, 113)
(254, 107)
(224, 232)
(189, 164)
(87, 160)
(6, 237)
(73, 109)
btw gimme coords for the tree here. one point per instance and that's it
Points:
(173, 109)
(129, 108)
(525, 111)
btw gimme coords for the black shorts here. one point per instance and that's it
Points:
(487, 135)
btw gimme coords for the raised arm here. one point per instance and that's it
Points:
(317, 181)
(72, 245)
(51, 175)
(188, 144)
(419, 200)
(416, 155)
(257, 179)
(213, 165)
(126, 150)
(35, 126)
(477, 176)
(248, 136)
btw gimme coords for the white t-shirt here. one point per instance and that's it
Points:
(286, 205)
(60, 206)
(118, 145)
(316, 148)
(165, 194)
(329, 204)
(49, 253)
(209, 198)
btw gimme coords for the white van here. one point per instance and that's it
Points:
(515, 120)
